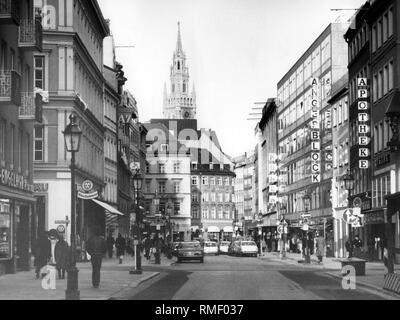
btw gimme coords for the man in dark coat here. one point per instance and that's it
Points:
(147, 247)
(42, 253)
(110, 245)
(62, 255)
(120, 244)
(97, 248)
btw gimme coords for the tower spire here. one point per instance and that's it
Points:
(179, 42)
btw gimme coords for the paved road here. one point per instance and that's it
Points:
(234, 278)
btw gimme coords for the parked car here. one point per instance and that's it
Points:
(211, 248)
(190, 251)
(248, 248)
(224, 247)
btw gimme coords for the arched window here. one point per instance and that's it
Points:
(179, 65)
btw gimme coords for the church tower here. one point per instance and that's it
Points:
(179, 104)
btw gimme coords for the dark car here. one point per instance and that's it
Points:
(190, 251)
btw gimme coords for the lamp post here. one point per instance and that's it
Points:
(137, 180)
(169, 244)
(282, 210)
(349, 186)
(72, 136)
(307, 203)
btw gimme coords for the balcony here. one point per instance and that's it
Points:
(10, 87)
(31, 108)
(10, 12)
(30, 34)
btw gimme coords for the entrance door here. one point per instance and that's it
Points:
(23, 236)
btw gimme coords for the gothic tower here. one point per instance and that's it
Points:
(179, 104)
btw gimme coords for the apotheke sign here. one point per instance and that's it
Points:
(363, 123)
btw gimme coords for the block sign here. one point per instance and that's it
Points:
(315, 132)
(364, 129)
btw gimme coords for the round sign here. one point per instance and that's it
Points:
(87, 186)
(280, 229)
(357, 202)
(61, 229)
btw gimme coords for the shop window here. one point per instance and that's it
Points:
(5, 229)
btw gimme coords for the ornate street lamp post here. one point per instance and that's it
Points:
(349, 186)
(137, 180)
(72, 136)
(307, 204)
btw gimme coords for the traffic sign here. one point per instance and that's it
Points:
(61, 229)
(306, 215)
(280, 228)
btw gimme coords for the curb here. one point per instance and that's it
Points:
(138, 283)
(364, 285)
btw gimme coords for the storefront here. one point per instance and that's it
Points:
(18, 225)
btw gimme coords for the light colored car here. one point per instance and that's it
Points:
(248, 248)
(211, 248)
(224, 247)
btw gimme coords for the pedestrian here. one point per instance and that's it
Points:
(147, 247)
(120, 244)
(61, 253)
(311, 243)
(320, 245)
(97, 248)
(357, 245)
(42, 253)
(264, 245)
(110, 245)
(269, 241)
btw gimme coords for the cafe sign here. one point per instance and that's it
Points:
(11, 179)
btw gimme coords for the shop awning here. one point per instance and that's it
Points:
(228, 229)
(108, 208)
(213, 229)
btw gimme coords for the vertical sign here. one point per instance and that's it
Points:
(363, 127)
(315, 133)
(273, 177)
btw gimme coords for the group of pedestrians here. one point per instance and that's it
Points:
(122, 245)
(54, 251)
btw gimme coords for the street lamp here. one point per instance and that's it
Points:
(307, 204)
(72, 137)
(137, 186)
(169, 244)
(349, 185)
(157, 214)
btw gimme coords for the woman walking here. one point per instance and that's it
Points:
(320, 246)
(61, 253)
(120, 244)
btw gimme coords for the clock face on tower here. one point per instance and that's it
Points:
(186, 115)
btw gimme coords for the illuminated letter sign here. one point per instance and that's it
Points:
(363, 123)
(315, 132)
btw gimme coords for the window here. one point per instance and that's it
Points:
(161, 187)
(374, 40)
(195, 181)
(220, 213)
(212, 181)
(177, 187)
(205, 213)
(219, 181)
(177, 167)
(3, 125)
(390, 76)
(213, 213)
(204, 181)
(390, 22)
(379, 36)
(5, 227)
(161, 168)
(226, 182)
(148, 186)
(206, 197)
(195, 197)
(213, 197)
(220, 197)
(147, 167)
(385, 28)
(39, 72)
(21, 153)
(194, 166)
(177, 208)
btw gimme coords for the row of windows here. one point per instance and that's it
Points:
(382, 30)
(383, 81)
(340, 111)
(295, 142)
(358, 42)
(340, 155)
(298, 171)
(380, 189)
(213, 197)
(212, 181)
(382, 135)
(220, 213)
(314, 65)
(14, 146)
(162, 187)
(161, 167)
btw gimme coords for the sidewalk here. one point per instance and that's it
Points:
(374, 278)
(114, 279)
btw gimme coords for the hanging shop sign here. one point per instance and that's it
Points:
(315, 132)
(364, 129)
(87, 192)
(11, 179)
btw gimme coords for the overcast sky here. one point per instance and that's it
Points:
(237, 51)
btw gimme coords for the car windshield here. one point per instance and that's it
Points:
(210, 244)
(248, 243)
(225, 243)
(189, 245)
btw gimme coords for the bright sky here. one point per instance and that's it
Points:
(237, 51)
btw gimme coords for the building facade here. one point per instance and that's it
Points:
(21, 108)
(304, 127)
(70, 68)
